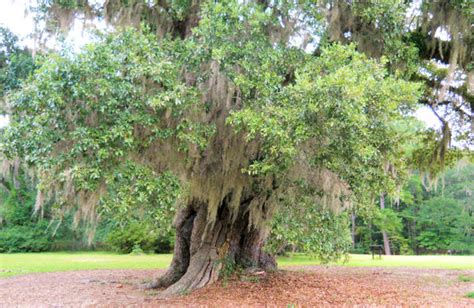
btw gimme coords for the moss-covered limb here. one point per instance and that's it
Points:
(162, 17)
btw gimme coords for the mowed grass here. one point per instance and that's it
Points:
(428, 261)
(24, 263)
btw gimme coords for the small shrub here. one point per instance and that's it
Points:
(136, 234)
(465, 278)
(125, 239)
(137, 250)
(358, 250)
(470, 294)
(184, 292)
(229, 267)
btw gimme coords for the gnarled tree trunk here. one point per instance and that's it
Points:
(353, 228)
(202, 250)
(386, 240)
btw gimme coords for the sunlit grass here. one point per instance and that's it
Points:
(23, 263)
(428, 261)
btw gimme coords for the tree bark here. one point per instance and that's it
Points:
(353, 228)
(470, 91)
(202, 250)
(386, 240)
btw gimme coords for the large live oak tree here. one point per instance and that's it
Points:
(223, 96)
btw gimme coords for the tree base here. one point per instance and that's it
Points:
(204, 253)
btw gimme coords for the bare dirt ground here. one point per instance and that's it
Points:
(294, 286)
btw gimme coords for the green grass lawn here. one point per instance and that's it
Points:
(429, 261)
(23, 263)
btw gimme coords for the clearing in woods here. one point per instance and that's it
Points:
(109, 279)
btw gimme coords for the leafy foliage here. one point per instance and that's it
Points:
(138, 209)
(138, 194)
(117, 96)
(16, 63)
(306, 227)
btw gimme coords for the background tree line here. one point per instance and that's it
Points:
(422, 221)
